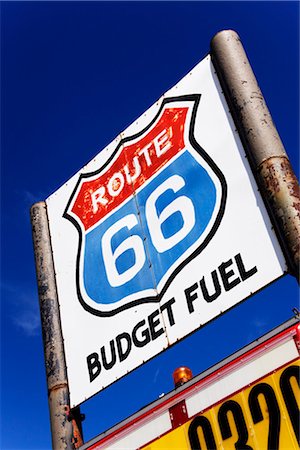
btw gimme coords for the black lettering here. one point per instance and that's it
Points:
(290, 397)
(109, 365)
(204, 423)
(94, 365)
(210, 298)
(145, 335)
(272, 412)
(153, 324)
(168, 307)
(242, 271)
(239, 420)
(226, 275)
(123, 353)
(191, 296)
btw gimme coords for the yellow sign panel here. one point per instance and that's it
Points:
(264, 416)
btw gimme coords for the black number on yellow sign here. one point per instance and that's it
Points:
(259, 393)
(203, 423)
(238, 417)
(265, 390)
(289, 396)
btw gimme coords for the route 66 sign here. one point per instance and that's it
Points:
(160, 233)
(158, 194)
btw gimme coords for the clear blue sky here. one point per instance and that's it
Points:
(73, 75)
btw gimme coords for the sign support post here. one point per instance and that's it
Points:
(58, 390)
(260, 138)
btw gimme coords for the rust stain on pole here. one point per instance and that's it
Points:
(270, 163)
(283, 193)
(75, 417)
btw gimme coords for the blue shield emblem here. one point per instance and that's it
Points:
(147, 212)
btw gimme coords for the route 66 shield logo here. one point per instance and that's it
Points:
(146, 213)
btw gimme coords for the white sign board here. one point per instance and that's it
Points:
(160, 233)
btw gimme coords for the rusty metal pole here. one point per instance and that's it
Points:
(58, 390)
(261, 141)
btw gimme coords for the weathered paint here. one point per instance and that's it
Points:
(58, 391)
(258, 133)
(283, 193)
(75, 417)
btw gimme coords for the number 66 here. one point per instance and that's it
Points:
(154, 222)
